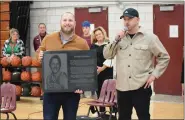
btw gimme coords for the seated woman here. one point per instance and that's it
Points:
(14, 47)
(104, 67)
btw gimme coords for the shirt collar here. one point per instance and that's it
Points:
(104, 43)
(10, 41)
(43, 34)
(141, 30)
(62, 38)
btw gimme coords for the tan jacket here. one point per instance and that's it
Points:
(53, 42)
(134, 59)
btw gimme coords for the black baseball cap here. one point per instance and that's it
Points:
(130, 12)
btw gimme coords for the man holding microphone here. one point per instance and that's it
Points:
(135, 52)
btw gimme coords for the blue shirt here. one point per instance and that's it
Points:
(65, 41)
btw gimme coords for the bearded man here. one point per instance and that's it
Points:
(65, 39)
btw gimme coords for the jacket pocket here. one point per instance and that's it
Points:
(141, 52)
(123, 46)
(122, 51)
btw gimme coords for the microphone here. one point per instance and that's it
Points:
(125, 28)
(118, 37)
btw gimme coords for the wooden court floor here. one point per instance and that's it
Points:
(31, 108)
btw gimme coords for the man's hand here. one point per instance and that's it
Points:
(79, 91)
(41, 53)
(99, 69)
(149, 81)
(120, 35)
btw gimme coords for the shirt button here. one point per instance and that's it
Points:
(130, 43)
(128, 65)
(129, 76)
(129, 54)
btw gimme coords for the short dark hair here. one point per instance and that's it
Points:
(54, 57)
(42, 24)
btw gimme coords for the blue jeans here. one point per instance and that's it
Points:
(53, 101)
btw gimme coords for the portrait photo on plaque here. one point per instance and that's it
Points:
(67, 71)
(56, 72)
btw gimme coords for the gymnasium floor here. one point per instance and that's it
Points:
(162, 107)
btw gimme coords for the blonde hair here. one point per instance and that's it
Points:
(93, 37)
(68, 13)
(12, 31)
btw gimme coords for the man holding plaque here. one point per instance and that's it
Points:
(65, 39)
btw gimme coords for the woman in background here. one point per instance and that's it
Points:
(104, 67)
(14, 47)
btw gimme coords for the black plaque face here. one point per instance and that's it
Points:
(67, 71)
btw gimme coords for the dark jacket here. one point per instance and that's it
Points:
(37, 41)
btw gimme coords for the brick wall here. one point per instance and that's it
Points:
(4, 23)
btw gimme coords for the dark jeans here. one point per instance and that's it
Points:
(53, 101)
(139, 99)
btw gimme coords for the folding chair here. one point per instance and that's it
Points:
(8, 99)
(106, 98)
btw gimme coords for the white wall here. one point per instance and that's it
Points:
(50, 13)
(50, 4)
(115, 23)
(51, 17)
